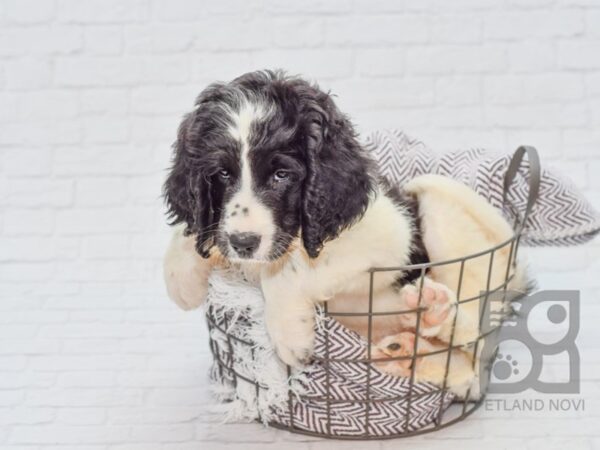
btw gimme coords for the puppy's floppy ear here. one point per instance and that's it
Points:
(339, 177)
(187, 191)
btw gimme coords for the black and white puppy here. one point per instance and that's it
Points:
(269, 176)
(259, 158)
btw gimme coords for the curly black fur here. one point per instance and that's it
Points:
(333, 176)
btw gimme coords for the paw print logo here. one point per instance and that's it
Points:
(544, 326)
(505, 367)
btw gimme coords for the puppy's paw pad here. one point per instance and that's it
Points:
(406, 340)
(429, 295)
(401, 345)
(436, 298)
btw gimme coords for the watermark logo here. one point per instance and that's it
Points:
(521, 346)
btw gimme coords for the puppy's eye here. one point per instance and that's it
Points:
(224, 174)
(394, 346)
(281, 175)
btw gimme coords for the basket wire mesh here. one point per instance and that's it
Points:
(461, 408)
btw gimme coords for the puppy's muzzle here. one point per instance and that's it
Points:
(244, 244)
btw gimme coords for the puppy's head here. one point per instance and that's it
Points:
(263, 160)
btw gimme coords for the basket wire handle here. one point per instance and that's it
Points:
(534, 176)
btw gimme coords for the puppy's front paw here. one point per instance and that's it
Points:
(293, 339)
(186, 288)
(437, 298)
(185, 271)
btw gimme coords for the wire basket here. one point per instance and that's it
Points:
(402, 407)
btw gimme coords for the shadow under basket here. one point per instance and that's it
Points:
(343, 394)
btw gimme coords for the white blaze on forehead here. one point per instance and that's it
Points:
(242, 119)
(250, 214)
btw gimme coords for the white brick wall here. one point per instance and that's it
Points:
(92, 355)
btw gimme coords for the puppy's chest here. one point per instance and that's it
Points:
(248, 272)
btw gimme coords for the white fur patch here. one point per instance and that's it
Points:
(245, 212)
(243, 118)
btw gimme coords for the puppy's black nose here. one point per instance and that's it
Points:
(245, 244)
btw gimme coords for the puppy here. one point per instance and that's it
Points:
(268, 177)
(429, 367)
